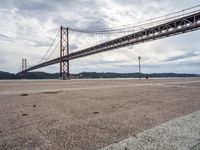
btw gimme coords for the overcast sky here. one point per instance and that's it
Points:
(27, 28)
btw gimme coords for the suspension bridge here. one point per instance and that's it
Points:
(74, 43)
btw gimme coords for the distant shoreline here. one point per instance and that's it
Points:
(92, 75)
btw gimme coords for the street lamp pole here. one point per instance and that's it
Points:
(139, 58)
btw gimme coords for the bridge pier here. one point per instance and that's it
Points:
(64, 51)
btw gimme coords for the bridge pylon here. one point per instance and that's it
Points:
(24, 64)
(64, 51)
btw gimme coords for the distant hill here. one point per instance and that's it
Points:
(131, 75)
(39, 75)
(6, 75)
(88, 75)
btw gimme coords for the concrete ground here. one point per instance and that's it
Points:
(181, 133)
(89, 114)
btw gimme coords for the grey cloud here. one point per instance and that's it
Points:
(40, 44)
(131, 2)
(110, 62)
(49, 10)
(186, 55)
(25, 32)
(86, 14)
(197, 64)
(4, 37)
(35, 9)
(5, 4)
(53, 31)
(59, 20)
(2, 61)
(73, 46)
(185, 67)
(34, 6)
(97, 25)
(106, 62)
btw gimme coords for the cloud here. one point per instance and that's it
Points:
(188, 54)
(97, 24)
(2, 61)
(73, 47)
(39, 43)
(37, 9)
(4, 37)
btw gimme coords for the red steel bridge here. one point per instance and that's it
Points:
(169, 25)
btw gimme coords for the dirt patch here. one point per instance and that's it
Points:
(24, 114)
(95, 112)
(24, 94)
(52, 92)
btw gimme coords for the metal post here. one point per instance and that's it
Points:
(139, 58)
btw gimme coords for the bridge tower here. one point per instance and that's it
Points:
(64, 50)
(24, 64)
